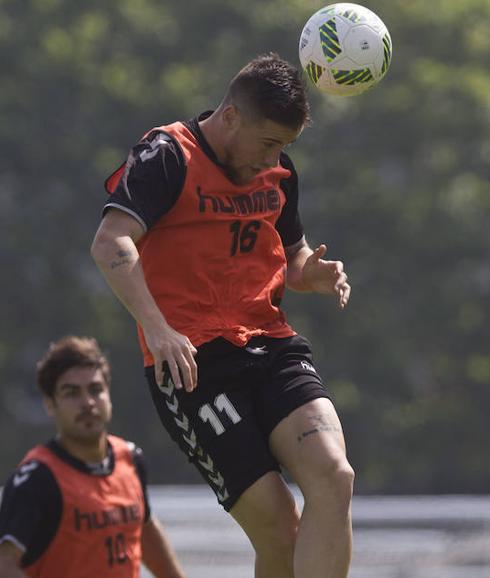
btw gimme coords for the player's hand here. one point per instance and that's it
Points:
(326, 277)
(166, 344)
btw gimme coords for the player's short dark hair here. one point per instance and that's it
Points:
(67, 352)
(271, 88)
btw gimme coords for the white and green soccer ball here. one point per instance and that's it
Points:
(345, 49)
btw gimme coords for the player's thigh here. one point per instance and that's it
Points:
(291, 380)
(267, 510)
(309, 443)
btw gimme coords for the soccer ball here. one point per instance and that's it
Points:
(345, 49)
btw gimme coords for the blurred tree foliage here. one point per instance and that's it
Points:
(395, 181)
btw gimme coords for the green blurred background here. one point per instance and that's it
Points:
(396, 182)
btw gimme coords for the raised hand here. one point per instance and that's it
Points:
(326, 277)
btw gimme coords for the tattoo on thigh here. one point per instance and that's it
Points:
(320, 423)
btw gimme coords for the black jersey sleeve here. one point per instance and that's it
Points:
(152, 180)
(31, 510)
(139, 463)
(289, 224)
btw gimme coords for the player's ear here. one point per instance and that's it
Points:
(230, 116)
(49, 404)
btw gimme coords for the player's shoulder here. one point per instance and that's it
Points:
(286, 162)
(31, 476)
(138, 459)
(123, 444)
(136, 453)
(134, 449)
(290, 184)
(158, 145)
(156, 160)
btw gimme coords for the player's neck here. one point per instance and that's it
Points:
(211, 130)
(88, 451)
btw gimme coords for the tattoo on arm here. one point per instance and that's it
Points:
(124, 259)
(319, 424)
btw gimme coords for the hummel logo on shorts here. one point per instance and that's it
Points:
(308, 366)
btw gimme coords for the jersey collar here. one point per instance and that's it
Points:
(103, 468)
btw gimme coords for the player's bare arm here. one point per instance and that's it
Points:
(10, 556)
(115, 253)
(308, 272)
(158, 555)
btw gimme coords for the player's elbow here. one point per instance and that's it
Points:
(95, 247)
(100, 245)
(10, 557)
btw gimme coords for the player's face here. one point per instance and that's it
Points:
(251, 147)
(81, 405)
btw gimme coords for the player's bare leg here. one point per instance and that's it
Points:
(268, 514)
(310, 444)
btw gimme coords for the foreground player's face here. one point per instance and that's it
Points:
(81, 405)
(251, 146)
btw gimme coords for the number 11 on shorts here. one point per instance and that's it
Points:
(224, 406)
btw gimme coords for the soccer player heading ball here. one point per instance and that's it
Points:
(200, 236)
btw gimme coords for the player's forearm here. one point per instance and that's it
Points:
(119, 262)
(158, 555)
(296, 261)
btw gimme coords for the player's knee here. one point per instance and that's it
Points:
(335, 480)
(342, 476)
(343, 481)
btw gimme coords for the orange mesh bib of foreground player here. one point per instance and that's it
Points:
(204, 290)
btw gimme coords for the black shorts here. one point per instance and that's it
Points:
(223, 426)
